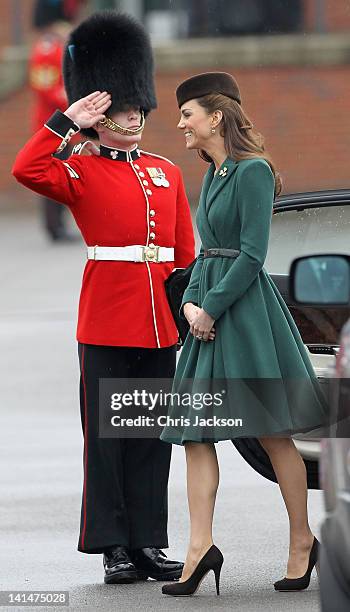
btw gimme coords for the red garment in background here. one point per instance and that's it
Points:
(46, 79)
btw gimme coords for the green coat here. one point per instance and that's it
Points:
(258, 360)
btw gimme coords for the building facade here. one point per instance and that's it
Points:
(294, 87)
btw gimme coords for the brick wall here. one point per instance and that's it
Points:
(6, 20)
(302, 112)
(15, 129)
(336, 15)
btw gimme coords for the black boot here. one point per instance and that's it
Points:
(153, 563)
(119, 569)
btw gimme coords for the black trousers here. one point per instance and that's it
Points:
(124, 498)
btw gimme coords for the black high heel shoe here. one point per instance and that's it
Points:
(298, 584)
(212, 560)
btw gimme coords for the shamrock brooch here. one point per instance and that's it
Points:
(223, 172)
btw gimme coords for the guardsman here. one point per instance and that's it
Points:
(131, 208)
(52, 20)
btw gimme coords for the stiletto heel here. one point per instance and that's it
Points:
(212, 560)
(317, 566)
(217, 571)
(298, 584)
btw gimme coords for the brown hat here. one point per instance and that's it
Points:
(208, 83)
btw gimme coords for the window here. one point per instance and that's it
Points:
(306, 232)
(222, 18)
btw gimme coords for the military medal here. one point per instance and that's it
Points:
(158, 177)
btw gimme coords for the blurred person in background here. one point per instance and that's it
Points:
(52, 20)
(132, 210)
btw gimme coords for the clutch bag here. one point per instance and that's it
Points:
(175, 286)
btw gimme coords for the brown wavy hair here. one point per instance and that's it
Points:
(240, 139)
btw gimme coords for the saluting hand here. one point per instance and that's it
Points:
(88, 111)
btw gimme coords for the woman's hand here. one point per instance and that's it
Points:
(88, 111)
(201, 324)
(190, 311)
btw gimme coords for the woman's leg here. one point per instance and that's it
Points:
(202, 485)
(291, 475)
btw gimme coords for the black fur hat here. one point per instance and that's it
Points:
(110, 51)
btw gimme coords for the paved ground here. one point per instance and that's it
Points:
(40, 458)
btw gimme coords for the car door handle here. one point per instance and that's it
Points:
(323, 349)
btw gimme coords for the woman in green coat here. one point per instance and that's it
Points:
(243, 365)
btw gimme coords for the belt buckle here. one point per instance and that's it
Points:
(150, 253)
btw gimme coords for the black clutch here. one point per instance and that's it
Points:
(175, 286)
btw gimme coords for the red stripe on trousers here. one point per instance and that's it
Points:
(85, 450)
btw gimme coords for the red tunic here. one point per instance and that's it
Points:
(115, 203)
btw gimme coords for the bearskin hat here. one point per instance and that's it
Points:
(110, 51)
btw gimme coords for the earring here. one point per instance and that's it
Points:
(213, 130)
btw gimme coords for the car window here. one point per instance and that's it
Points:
(304, 232)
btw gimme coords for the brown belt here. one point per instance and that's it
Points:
(221, 253)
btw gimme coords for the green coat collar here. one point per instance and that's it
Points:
(213, 184)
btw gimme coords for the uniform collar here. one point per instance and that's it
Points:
(118, 155)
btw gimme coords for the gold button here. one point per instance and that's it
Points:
(137, 167)
(145, 183)
(151, 254)
(152, 223)
(151, 245)
(142, 174)
(152, 213)
(152, 235)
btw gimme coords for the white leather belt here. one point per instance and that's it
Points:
(134, 252)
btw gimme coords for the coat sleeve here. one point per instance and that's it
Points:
(36, 168)
(184, 238)
(255, 193)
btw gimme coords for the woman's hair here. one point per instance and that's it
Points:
(240, 138)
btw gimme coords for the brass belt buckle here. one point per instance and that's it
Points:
(150, 253)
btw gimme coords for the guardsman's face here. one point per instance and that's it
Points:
(129, 118)
(196, 125)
